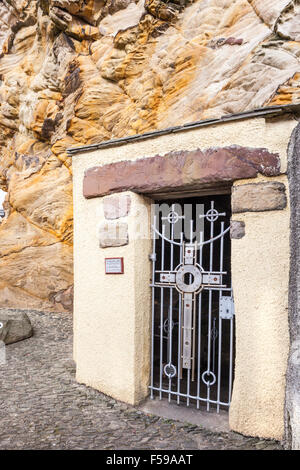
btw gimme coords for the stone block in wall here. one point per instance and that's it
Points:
(116, 206)
(181, 170)
(113, 233)
(237, 229)
(258, 197)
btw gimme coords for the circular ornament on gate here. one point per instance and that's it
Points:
(212, 215)
(206, 375)
(170, 370)
(1, 325)
(173, 217)
(180, 275)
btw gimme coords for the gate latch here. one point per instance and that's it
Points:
(226, 307)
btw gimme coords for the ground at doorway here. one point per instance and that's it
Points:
(42, 406)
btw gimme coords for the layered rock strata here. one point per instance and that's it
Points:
(81, 72)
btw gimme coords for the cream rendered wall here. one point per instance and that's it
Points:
(260, 270)
(112, 312)
(111, 329)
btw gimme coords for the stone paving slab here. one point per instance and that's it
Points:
(42, 406)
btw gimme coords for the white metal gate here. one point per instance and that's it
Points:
(192, 306)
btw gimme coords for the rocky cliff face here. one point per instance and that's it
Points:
(80, 72)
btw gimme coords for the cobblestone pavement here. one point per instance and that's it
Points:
(42, 407)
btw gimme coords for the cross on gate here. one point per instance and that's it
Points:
(198, 280)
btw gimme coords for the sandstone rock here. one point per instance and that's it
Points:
(269, 10)
(291, 88)
(80, 72)
(161, 9)
(14, 325)
(115, 207)
(113, 234)
(64, 298)
(258, 197)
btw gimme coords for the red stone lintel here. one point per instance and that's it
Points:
(180, 170)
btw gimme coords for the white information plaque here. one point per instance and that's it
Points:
(114, 266)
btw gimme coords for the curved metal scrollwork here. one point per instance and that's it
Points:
(173, 242)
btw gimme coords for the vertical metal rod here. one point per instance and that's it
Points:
(172, 238)
(181, 336)
(188, 387)
(231, 359)
(214, 345)
(211, 245)
(182, 315)
(199, 327)
(194, 319)
(170, 319)
(231, 351)
(153, 305)
(209, 345)
(179, 330)
(161, 313)
(220, 323)
(191, 231)
(188, 370)
(209, 307)
(194, 338)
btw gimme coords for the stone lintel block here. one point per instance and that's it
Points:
(113, 233)
(116, 206)
(258, 197)
(237, 229)
(180, 170)
(14, 325)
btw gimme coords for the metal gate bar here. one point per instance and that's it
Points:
(220, 324)
(153, 259)
(170, 327)
(179, 331)
(199, 327)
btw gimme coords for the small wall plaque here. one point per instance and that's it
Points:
(114, 266)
